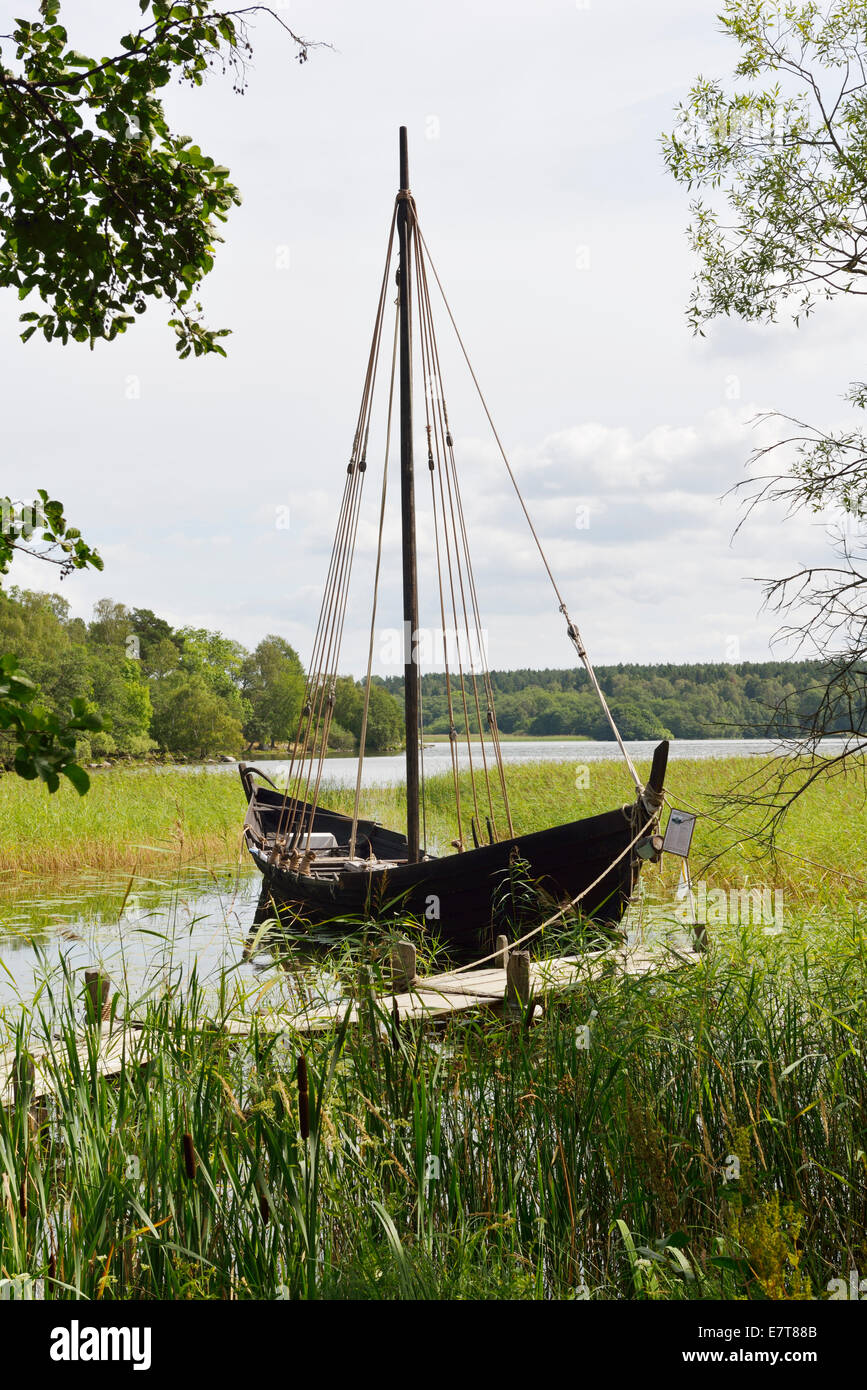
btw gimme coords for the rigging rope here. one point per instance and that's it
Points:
(458, 565)
(456, 582)
(571, 627)
(363, 737)
(317, 711)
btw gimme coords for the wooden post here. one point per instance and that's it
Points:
(403, 971)
(699, 931)
(501, 960)
(518, 989)
(23, 1079)
(24, 1092)
(98, 1003)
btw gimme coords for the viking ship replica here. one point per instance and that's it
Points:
(320, 865)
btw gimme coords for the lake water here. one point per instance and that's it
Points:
(151, 938)
(390, 771)
(156, 935)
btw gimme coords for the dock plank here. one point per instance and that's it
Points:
(51, 1064)
(436, 996)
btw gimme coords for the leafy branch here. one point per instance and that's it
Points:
(102, 207)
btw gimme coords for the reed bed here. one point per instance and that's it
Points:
(143, 818)
(129, 818)
(693, 1135)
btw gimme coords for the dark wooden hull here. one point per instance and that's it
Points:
(452, 896)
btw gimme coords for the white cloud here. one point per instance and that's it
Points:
(601, 394)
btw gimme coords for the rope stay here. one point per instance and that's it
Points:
(467, 681)
(455, 567)
(571, 628)
(363, 737)
(310, 745)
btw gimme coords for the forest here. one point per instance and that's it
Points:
(705, 700)
(189, 692)
(185, 692)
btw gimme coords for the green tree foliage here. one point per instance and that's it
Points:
(158, 647)
(783, 162)
(349, 705)
(778, 159)
(748, 700)
(40, 528)
(102, 206)
(190, 717)
(211, 696)
(190, 692)
(385, 731)
(35, 739)
(272, 681)
(116, 684)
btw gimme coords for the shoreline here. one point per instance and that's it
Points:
(172, 819)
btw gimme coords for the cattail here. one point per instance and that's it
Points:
(264, 1207)
(303, 1098)
(189, 1156)
(395, 1024)
(22, 1191)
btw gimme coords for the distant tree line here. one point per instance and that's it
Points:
(186, 691)
(191, 692)
(708, 700)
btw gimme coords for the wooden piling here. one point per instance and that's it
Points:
(438, 996)
(98, 988)
(403, 967)
(518, 988)
(501, 960)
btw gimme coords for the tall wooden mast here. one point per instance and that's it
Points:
(407, 509)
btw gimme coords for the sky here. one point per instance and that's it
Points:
(534, 131)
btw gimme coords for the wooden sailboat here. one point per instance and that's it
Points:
(321, 865)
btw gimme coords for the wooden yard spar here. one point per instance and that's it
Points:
(320, 864)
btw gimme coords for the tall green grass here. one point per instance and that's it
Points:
(127, 818)
(690, 1135)
(141, 818)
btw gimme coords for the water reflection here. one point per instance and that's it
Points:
(151, 936)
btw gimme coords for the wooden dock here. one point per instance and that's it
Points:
(509, 986)
(514, 983)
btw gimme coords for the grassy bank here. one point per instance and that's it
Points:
(129, 818)
(698, 1135)
(140, 819)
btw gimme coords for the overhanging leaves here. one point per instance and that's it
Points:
(102, 207)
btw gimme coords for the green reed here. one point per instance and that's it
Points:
(143, 818)
(694, 1134)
